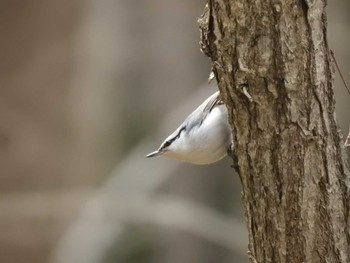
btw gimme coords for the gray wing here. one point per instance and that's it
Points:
(213, 101)
(195, 119)
(198, 115)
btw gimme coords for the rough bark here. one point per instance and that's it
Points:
(295, 180)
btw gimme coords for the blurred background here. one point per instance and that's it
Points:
(87, 89)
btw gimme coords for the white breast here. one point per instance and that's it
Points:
(207, 143)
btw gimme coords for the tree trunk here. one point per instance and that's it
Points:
(271, 62)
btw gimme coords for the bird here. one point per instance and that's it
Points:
(204, 137)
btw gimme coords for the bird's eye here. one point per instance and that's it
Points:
(166, 144)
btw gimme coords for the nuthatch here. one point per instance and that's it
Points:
(203, 138)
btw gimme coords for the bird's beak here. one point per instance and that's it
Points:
(154, 154)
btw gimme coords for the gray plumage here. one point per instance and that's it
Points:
(204, 137)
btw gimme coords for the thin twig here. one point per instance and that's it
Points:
(341, 75)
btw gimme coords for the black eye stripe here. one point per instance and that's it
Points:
(167, 143)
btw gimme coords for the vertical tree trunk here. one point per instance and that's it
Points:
(271, 61)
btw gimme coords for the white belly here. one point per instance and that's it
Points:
(209, 142)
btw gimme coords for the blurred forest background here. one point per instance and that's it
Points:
(87, 89)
